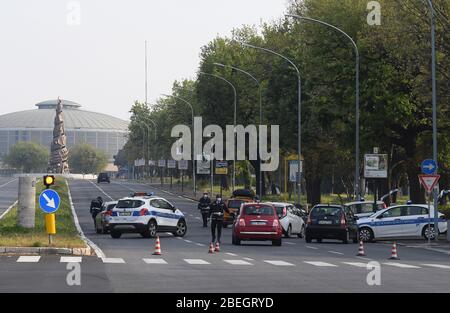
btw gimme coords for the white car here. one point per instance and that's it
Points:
(365, 208)
(290, 219)
(146, 215)
(400, 221)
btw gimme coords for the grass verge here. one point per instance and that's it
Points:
(13, 235)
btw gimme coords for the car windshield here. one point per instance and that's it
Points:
(326, 211)
(129, 204)
(279, 210)
(235, 204)
(258, 210)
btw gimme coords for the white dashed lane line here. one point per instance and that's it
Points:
(357, 264)
(437, 266)
(335, 252)
(320, 264)
(237, 262)
(279, 263)
(28, 259)
(155, 261)
(314, 248)
(196, 262)
(232, 254)
(401, 265)
(70, 259)
(113, 260)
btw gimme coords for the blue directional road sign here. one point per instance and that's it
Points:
(49, 201)
(429, 167)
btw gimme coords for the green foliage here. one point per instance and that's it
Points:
(85, 159)
(28, 156)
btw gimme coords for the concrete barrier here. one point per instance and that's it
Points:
(27, 202)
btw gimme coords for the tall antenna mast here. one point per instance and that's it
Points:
(146, 74)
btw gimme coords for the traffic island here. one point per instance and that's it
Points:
(15, 239)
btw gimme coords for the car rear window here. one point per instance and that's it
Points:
(258, 210)
(279, 210)
(326, 210)
(235, 204)
(129, 204)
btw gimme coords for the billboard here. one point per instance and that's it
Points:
(171, 164)
(221, 168)
(375, 165)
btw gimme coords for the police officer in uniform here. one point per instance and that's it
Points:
(216, 214)
(203, 205)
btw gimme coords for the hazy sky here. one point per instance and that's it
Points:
(100, 63)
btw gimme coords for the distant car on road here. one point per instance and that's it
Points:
(146, 215)
(400, 221)
(239, 197)
(290, 218)
(257, 222)
(365, 208)
(331, 222)
(101, 221)
(103, 178)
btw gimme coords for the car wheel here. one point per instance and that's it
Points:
(288, 232)
(427, 233)
(151, 230)
(276, 242)
(366, 234)
(115, 234)
(181, 228)
(308, 239)
(301, 234)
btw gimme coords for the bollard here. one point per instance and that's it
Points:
(27, 201)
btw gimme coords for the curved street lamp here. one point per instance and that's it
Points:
(260, 110)
(357, 170)
(193, 158)
(234, 119)
(299, 107)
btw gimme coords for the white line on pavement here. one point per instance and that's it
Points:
(70, 259)
(357, 264)
(289, 243)
(155, 261)
(232, 254)
(101, 190)
(200, 245)
(28, 259)
(335, 252)
(196, 261)
(8, 183)
(188, 241)
(237, 262)
(279, 263)
(401, 265)
(8, 209)
(113, 260)
(314, 248)
(249, 259)
(437, 266)
(320, 264)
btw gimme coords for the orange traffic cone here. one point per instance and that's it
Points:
(394, 255)
(217, 249)
(361, 249)
(157, 247)
(211, 248)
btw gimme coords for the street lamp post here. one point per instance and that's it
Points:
(234, 120)
(434, 103)
(357, 170)
(142, 124)
(193, 158)
(299, 117)
(260, 111)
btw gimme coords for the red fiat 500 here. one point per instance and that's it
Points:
(257, 222)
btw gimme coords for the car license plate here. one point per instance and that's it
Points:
(125, 214)
(258, 223)
(325, 222)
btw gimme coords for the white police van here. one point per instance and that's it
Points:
(398, 221)
(147, 215)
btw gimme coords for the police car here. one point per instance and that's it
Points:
(147, 215)
(400, 221)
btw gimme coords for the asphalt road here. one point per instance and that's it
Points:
(8, 192)
(186, 266)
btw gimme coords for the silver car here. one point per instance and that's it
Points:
(290, 219)
(101, 220)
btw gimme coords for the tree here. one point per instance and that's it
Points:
(28, 156)
(83, 158)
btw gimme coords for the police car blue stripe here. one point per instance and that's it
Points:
(417, 221)
(165, 215)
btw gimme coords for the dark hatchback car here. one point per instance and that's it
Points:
(103, 178)
(331, 222)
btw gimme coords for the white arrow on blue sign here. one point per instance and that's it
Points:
(429, 167)
(49, 201)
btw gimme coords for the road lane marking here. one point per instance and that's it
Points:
(70, 259)
(28, 259)
(113, 260)
(289, 243)
(320, 264)
(200, 245)
(8, 183)
(249, 259)
(101, 190)
(335, 252)
(279, 263)
(363, 258)
(9, 209)
(314, 248)
(401, 265)
(188, 241)
(232, 254)
(196, 262)
(155, 261)
(237, 262)
(357, 264)
(437, 266)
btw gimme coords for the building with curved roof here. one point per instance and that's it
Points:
(104, 132)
